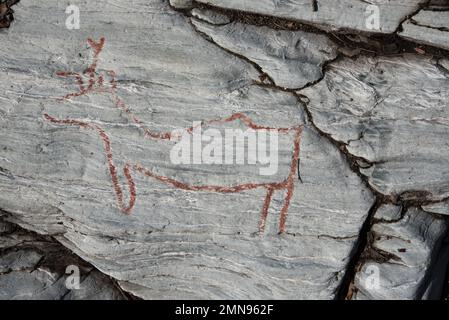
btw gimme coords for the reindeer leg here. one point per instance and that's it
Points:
(264, 214)
(284, 211)
(114, 176)
(111, 166)
(79, 81)
(132, 189)
(290, 186)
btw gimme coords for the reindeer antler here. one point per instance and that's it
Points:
(90, 72)
(97, 47)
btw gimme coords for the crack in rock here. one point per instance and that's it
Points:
(34, 267)
(405, 259)
(365, 95)
(428, 27)
(66, 190)
(329, 14)
(293, 59)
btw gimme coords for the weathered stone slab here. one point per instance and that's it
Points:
(428, 27)
(439, 208)
(330, 14)
(293, 59)
(176, 242)
(393, 112)
(181, 4)
(33, 267)
(444, 63)
(407, 259)
(389, 213)
(210, 16)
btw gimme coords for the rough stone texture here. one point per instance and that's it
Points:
(181, 4)
(175, 243)
(428, 27)
(439, 208)
(34, 267)
(84, 154)
(409, 255)
(293, 59)
(444, 63)
(393, 112)
(210, 16)
(330, 14)
(388, 213)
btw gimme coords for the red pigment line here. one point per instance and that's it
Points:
(221, 189)
(119, 103)
(244, 119)
(78, 78)
(109, 155)
(114, 175)
(291, 185)
(249, 123)
(112, 168)
(148, 133)
(79, 81)
(168, 136)
(67, 121)
(132, 189)
(90, 71)
(284, 210)
(266, 206)
(96, 46)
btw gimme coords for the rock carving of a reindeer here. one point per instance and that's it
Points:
(97, 83)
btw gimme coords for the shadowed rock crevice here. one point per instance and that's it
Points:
(409, 256)
(349, 16)
(350, 41)
(429, 273)
(344, 291)
(6, 12)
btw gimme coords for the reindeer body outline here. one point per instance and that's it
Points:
(97, 85)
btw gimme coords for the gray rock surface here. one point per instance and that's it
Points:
(181, 4)
(210, 16)
(175, 243)
(87, 119)
(393, 112)
(34, 267)
(439, 208)
(388, 213)
(330, 14)
(292, 59)
(428, 27)
(406, 259)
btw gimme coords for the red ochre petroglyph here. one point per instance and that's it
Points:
(96, 84)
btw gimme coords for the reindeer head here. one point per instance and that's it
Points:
(95, 81)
